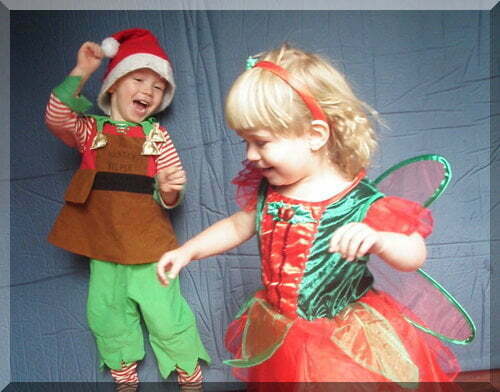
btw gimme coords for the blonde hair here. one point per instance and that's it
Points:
(260, 99)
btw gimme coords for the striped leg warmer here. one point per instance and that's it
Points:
(126, 379)
(190, 382)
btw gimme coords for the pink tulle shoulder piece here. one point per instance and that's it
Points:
(247, 183)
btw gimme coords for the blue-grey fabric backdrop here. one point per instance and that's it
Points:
(427, 73)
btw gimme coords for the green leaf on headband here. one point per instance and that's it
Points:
(251, 61)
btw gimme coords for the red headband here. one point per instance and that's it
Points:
(298, 86)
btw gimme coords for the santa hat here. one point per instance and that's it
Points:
(130, 50)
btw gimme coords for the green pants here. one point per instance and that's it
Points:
(119, 295)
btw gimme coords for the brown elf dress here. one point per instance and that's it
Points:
(109, 212)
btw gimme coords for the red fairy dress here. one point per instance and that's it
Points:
(320, 318)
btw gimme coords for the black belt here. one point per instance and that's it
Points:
(107, 181)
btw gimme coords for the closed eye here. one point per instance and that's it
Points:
(258, 144)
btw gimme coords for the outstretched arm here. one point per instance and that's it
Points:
(218, 238)
(401, 251)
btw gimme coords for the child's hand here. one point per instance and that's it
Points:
(172, 261)
(89, 58)
(355, 240)
(171, 179)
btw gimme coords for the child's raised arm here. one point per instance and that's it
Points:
(89, 58)
(65, 103)
(218, 238)
(402, 252)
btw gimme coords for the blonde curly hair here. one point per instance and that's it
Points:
(260, 99)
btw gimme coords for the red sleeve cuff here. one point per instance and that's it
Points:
(399, 216)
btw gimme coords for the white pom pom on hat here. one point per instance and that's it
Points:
(130, 50)
(110, 47)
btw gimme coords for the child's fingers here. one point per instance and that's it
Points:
(174, 271)
(359, 245)
(176, 187)
(161, 268)
(162, 277)
(92, 49)
(171, 170)
(349, 241)
(96, 50)
(172, 179)
(362, 242)
(172, 174)
(169, 266)
(353, 240)
(177, 178)
(366, 245)
(336, 237)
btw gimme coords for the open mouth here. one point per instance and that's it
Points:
(141, 105)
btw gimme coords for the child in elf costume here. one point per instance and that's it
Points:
(113, 211)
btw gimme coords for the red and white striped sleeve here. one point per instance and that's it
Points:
(67, 125)
(168, 157)
(168, 154)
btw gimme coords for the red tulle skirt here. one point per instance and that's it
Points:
(369, 342)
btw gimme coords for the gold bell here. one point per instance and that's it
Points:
(99, 141)
(156, 135)
(150, 148)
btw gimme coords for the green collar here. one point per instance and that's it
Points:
(147, 125)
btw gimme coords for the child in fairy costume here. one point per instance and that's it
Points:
(303, 191)
(114, 206)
